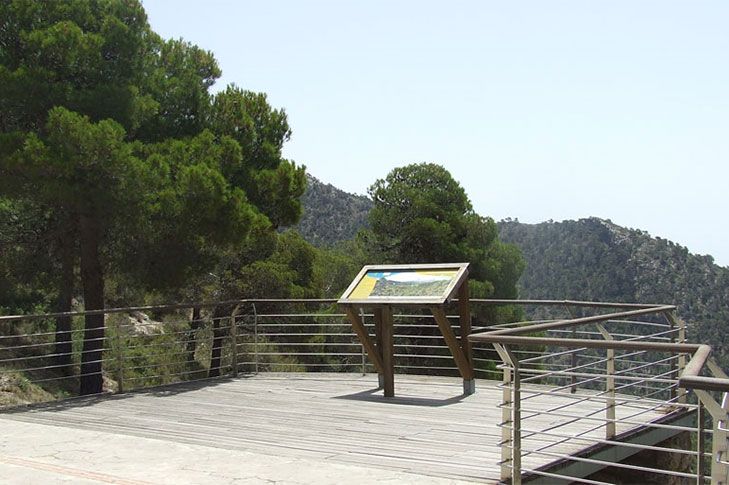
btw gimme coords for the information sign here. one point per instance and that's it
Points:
(405, 284)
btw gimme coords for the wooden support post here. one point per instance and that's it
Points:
(464, 317)
(464, 366)
(364, 337)
(388, 351)
(364, 356)
(377, 314)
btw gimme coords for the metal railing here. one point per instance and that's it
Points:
(148, 346)
(629, 366)
(608, 372)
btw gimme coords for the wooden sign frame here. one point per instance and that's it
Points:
(381, 351)
(460, 272)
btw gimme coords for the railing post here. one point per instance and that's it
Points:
(516, 452)
(506, 425)
(255, 338)
(678, 324)
(609, 386)
(700, 413)
(464, 321)
(573, 355)
(719, 448)
(119, 360)
(682, 394)
(510, 417)
(234, 340)
(719, 469)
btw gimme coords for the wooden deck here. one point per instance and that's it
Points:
(428, 429)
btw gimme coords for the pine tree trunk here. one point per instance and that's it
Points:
(64, 344)
(92, 277)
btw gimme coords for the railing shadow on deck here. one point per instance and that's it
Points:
(630, 360)
(161, 391)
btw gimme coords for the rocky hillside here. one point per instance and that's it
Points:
(594, 259)
(331, 215)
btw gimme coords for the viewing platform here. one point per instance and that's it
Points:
(282, 391)
(279, 427)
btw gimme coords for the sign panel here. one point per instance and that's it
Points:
(405, 284)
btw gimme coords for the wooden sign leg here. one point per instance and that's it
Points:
(364, 338)
(388, 351)
(385, 341)
(464, 366)
(377, 312)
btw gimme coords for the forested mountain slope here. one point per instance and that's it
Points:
(330, 214)
(594, 259)
(587, 259)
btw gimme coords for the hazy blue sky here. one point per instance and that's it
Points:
(542, 109)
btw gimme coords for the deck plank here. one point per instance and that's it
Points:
(428, 429)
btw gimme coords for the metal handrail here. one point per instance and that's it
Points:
(180, 306)
(688, 378)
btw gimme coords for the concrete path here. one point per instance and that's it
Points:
(33, 453)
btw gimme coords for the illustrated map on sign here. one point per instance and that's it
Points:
(403, 283)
